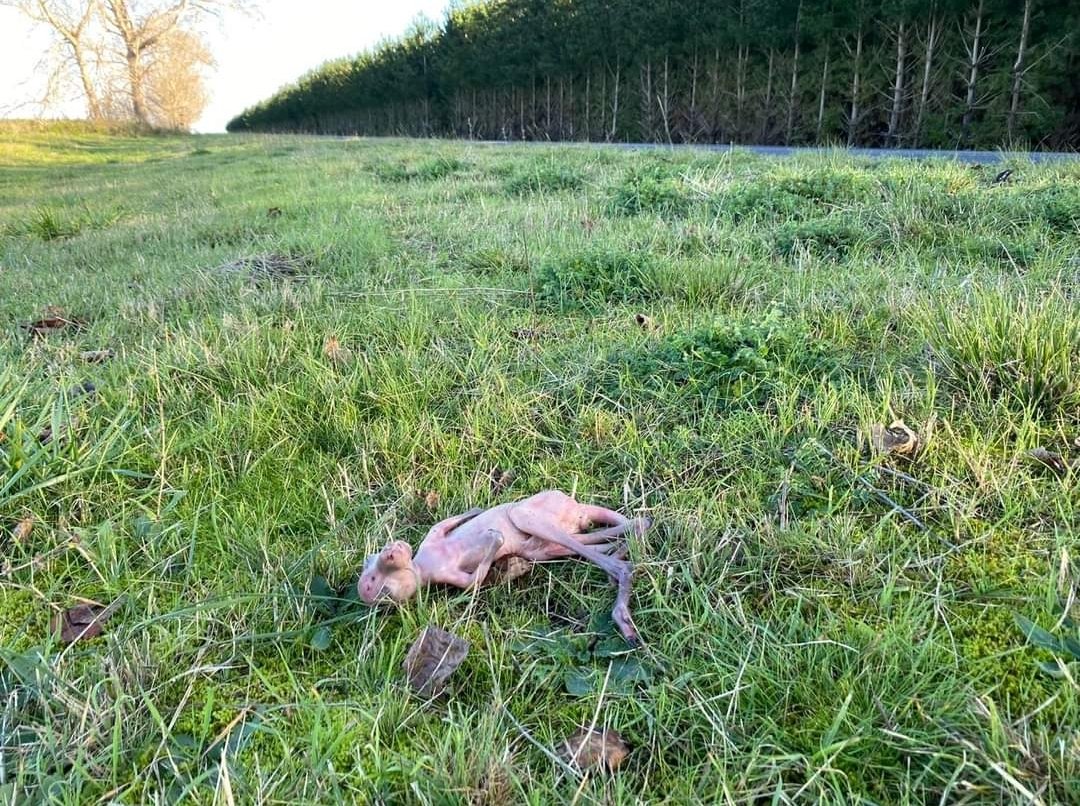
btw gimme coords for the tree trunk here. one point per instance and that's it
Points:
(794, 78)
(767, 112)
(133, 59)
(603, 100)
(853, 119)
(93, 103)
(898, 87)
(588, 105)
(562, 135)
(932, 34)
(665, 106)
(547, 107)
(975, 57)
(645, 73)
(615, 104)
(691, 128)
(821, 98)
(740, 87)
(573, 107)
(1019, 68)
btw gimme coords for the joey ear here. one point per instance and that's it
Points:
(396, 555)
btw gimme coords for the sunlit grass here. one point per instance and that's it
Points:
(821, 624)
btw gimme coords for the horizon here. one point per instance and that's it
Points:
(255, 54)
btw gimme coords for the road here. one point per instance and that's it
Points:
(980, 157)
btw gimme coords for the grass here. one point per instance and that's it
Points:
(820, 624)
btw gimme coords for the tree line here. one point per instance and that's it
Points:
(905, 73)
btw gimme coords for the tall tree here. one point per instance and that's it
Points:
(140, 27)
(71, 22)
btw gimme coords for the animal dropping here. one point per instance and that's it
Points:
(595, 748)
(96, 356)
(432, 658)
(896, 439)
(460, 551)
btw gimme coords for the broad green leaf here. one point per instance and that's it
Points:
(320, 639)
(579, 682)
(1036, 634)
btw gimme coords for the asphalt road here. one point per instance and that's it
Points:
(980, 157)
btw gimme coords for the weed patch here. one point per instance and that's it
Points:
(593, 278)
(56, 223)
(544, 178)
(652, 189)
(758, 200)
(732, 360)
(831, 238)
(428, 170)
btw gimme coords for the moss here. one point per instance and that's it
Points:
(24, 619)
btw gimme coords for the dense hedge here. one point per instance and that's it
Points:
(937, 73)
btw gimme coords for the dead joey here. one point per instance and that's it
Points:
(460, 551)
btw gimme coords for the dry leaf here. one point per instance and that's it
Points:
(1054, 461)
(333, 350)
(595, 748)
(273, 212)
(897, 439)
(96, 356)
(432, 658)
(79, 622)
(644, 322)
(53, 321)
(431, 499)
(22, 530)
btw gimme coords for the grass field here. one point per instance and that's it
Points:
(321, 344)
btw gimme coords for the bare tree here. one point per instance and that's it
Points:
(175, 89)
(71, 22)
(1018, 70)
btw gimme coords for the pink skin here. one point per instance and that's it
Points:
(459, 551)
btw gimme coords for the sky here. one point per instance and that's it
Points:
(255, 54)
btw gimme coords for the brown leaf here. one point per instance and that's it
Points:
(1054, 461)
(22, 530)
(432, 658)
(335, 352)
(896, 439)
(52, 321)
(96, 356)
(595, 748)
(644, 322)
(431, 499)
(79, 622)
(273, 212)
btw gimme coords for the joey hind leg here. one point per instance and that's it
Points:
(621, 571)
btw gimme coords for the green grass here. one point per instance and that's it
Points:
(820, 624)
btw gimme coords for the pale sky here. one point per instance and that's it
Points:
(255, 55)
